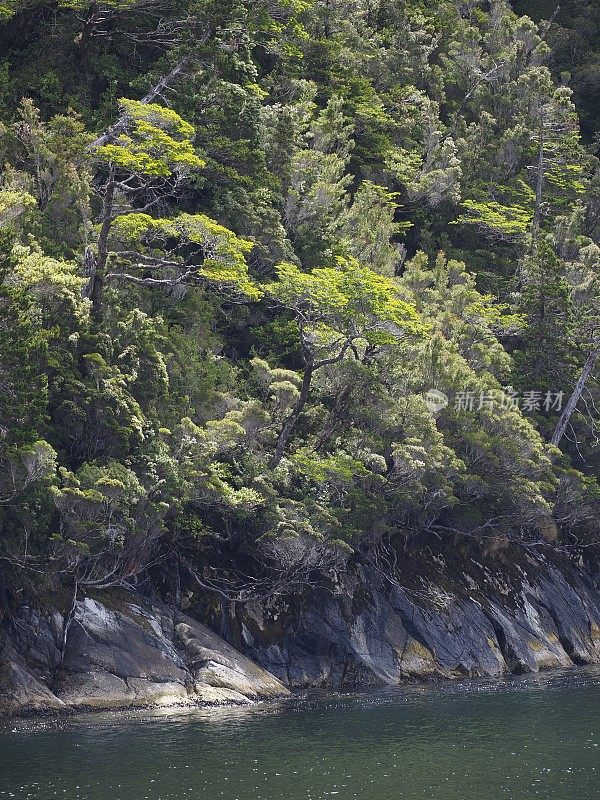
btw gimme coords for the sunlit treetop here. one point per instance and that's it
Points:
(348, 294)
(155, 141)
(197, 247)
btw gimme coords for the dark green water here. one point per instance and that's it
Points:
(518, 739)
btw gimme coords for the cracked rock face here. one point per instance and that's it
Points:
(449, 615)
(122, 652)
(452, 616)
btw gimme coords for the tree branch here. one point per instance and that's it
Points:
(118, 127)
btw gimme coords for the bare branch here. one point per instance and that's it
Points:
(119, 126)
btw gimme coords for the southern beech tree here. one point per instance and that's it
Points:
(147, 155)
(240, 242)
(338, 311)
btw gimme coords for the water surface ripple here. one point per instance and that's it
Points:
(532, 738)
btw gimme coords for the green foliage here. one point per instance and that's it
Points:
(370, 230)
(546, 359)
(13, 204)
(217, 335)
(221, 256)
(46, 173)
(505, 220)
(23, 363)
(156, 141)
(347, 299)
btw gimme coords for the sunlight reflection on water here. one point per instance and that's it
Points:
(532, 737)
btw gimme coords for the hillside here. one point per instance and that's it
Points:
(295, 292)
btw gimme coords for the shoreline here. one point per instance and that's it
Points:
(125, 651)
(433, 681)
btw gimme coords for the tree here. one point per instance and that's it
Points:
(316, 195)
(565, 418)
(27, 462)
(337, 310)
(147, 163)
(370, 232)
(45, 165)
(217, 340)
(549, 174)
(546, 359)
(188, 249)
(505, 482)
(582, 275)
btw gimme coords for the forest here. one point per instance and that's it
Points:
(291, 285)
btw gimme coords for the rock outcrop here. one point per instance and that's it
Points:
(121, 652)
(445, 614)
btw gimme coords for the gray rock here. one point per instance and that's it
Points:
(95, 690)
(20, 690)
(465, 616)
(214, 663)
(127, 641)
(450, 614)
(123, 652)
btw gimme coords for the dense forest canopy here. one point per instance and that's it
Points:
(285, 283)
(574, 36)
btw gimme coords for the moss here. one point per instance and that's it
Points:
(415, 649)
(535, 645)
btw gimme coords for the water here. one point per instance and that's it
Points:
(519, 739)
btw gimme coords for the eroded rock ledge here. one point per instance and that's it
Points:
(449, 613)
(121, 652)
(445, 614)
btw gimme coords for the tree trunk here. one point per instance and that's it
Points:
(293, 418)
(67, 623)
(154, 93)
(333, 417)
(575, 397)
(539, 191)
(95, 287)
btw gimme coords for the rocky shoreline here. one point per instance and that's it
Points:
(445, 615)
(449, 613)
(123, 652)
